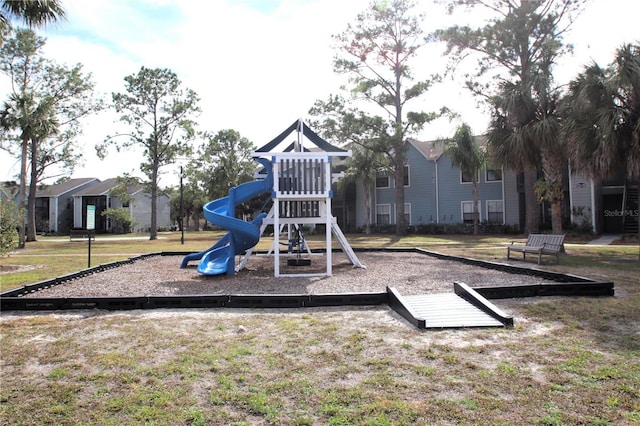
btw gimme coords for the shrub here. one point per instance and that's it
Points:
(122, 221)
(10, 218)
(464, 228)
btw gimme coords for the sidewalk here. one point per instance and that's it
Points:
(103, 238)
(604, 240)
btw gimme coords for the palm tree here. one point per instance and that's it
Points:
(366, 165)
(525, 133)
(466, 155)
(603, 117)
(44, 124)
(602, 111)
(518, 46)
(34, 13)
(35, 119)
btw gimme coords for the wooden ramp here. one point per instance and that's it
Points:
(448, 310)
(463, 308)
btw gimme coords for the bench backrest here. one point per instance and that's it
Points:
(548, 240)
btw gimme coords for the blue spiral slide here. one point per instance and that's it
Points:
(241, 235)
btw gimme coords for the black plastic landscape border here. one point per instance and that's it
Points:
(203, 301)
(563, 285)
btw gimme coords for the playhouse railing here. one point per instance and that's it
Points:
(299, 209)
(302, 176)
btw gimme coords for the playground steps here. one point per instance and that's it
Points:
(463, 308)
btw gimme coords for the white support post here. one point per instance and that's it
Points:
(328, 216)
(276, 237)
(276, 220)
(328, 235)
(327, 182)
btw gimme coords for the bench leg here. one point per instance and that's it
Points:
(539, 258)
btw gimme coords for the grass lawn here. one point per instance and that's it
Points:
(567, 361)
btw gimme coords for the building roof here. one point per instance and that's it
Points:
(432, 150)
(58, 189)
(103, 188)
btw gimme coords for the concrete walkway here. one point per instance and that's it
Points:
(604, 240)
(102, 238)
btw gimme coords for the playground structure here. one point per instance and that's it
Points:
(299, 180)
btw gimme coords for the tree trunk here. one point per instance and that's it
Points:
(31, 200)
(196, 221)
(153, 232)
(532, 215)
(22, 202)
(556, 216)
(553, 166)
(31, 212)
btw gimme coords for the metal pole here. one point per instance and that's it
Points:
(181, 209)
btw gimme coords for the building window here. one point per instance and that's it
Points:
(467, 211)
(407, 213)
(466, 177)
(495, 211)
(382, 182)
(406, 176)
(383, 214)
(493, 175)
(42, 203)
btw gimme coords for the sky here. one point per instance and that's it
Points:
(259, 65)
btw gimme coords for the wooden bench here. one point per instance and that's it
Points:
(539, 244)
(81, 234)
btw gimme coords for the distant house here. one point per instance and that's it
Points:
(99, 195)
(436, 192)
(54, 204)
(609, 207)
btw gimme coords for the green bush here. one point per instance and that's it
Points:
(466, 228)
(450, 228)
(121, 218)
(10, 218)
